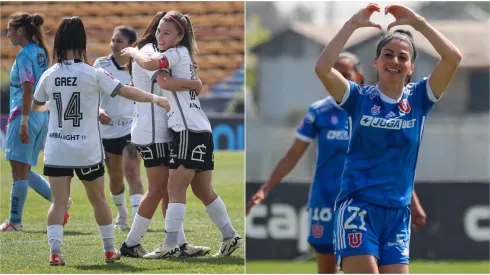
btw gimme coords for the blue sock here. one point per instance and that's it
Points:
(17, 200)
(39, 184)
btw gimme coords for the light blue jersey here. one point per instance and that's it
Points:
(326, 122)
(29, 65)
(385, 140)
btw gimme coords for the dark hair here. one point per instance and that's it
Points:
(147, 37)
(32, 23)
(353, 57)
(402, 35)
(184, 26)
(127, 32)
(70, 36)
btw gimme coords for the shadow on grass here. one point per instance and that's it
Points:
(231, 260)
(114, 266)
(65, 232)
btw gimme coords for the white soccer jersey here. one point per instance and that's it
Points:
(150, 121)
(185, 108)
(73, 89)
(120, 109)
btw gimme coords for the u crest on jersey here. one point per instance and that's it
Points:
(355, 239)
(404, 106)
(317, 230)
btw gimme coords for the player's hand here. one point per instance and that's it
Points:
(163, 102)
(104, 117)
(405, 16)
(196, 66)
(127, 51)
(259, 197)
(418, 216)
(362, 18)
(199, 88)
(24, 133)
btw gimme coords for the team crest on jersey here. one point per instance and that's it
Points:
(404, 106)
(334, 120)
(375, 110)
(109, 74)
(317, 230)
(355, 239)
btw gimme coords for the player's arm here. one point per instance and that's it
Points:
(144, 61)
(419, 216)
(40, 98)
(138, 95)
(332, 80)
(285, 165)
(165, 81)
(450, 55)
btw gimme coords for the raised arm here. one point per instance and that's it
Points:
(285, 165)
(450, 55)
(144, 61)
(333, 81)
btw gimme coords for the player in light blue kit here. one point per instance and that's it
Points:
(26, 130)
(372, 217)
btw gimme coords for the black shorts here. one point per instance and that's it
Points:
(155, 154)
(193, 150)
(116, 145)
(87, 173)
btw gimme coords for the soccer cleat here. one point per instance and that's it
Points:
(7, 225)
(112, 256)
(67, 215)
(56, 259)
(121, 223)
(136, 251)
(229, 245)
(189, 250)
(163, 251)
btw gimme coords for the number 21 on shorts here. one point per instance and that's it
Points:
(352, 223)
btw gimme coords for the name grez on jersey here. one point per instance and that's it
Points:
(67, 137)
(395, 123)
(65, 81)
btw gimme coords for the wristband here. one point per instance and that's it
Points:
(23, 119)
(154, 99)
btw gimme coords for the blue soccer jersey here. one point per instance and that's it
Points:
(327, 122)
(29, 65)
(385, 139)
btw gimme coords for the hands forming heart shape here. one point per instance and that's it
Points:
(402, 14)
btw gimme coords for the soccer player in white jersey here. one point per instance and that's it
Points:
(372, 216)
(73, 140)
(191, 152)
(116, 116)
(151, 135)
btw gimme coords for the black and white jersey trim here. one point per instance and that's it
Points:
(160, 150)
(116, 90)
(184, 144)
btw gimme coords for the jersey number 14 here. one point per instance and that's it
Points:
(72, 111)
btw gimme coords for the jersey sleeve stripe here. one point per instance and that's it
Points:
(430, 93)
(303, 137)
(154, 77)
(116, 90)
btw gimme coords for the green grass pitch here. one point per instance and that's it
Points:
(28, 251)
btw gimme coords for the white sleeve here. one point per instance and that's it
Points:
(346, 94)
(97, 63)
(40, 95)
(172, 56)
(107, 83)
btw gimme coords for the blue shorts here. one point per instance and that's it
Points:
(320, 235)
(29, 152)
(362, 228)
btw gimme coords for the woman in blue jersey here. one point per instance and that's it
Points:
(26, 130)
(327, 122)
(372, 215)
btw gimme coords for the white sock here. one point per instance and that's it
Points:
(217, 212)
(138, 230)
(181, 239)
(107, 235)
(174, 222)
(120, 203)
(55, 236)
(135, 201)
